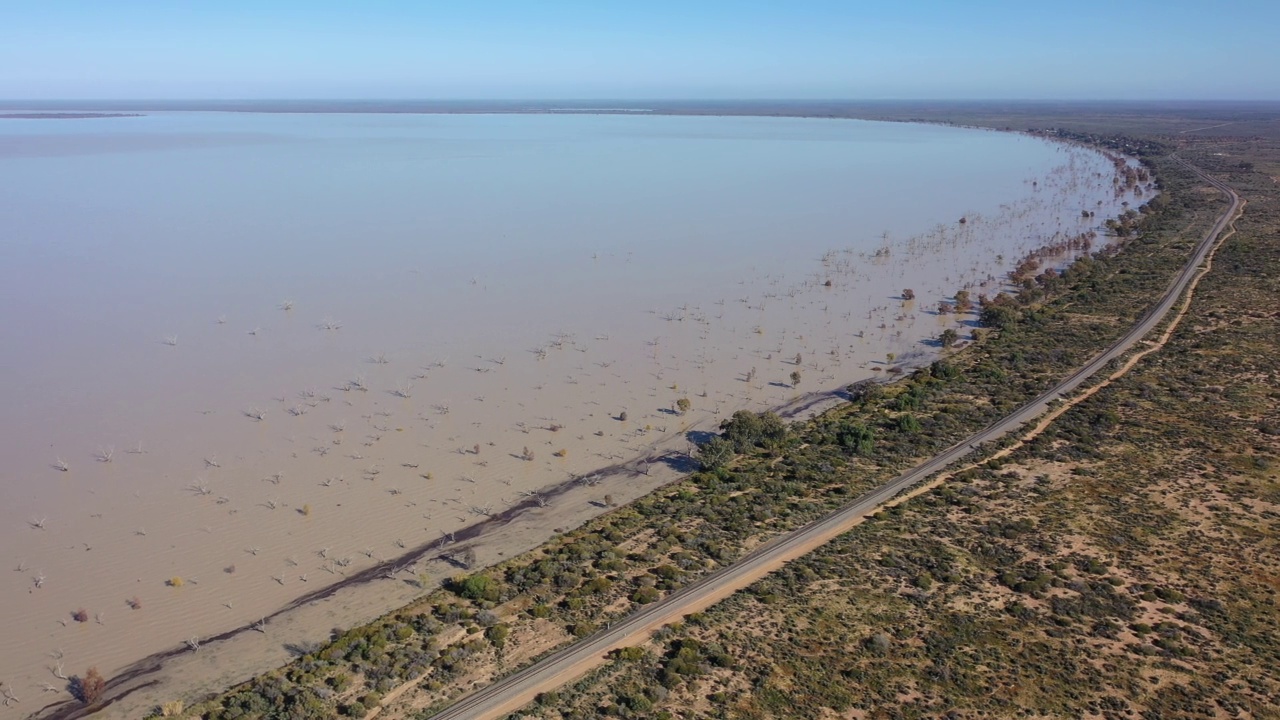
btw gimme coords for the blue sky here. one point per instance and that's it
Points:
(1130, 49)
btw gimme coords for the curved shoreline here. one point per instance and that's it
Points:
(137, 676)
(512, 692)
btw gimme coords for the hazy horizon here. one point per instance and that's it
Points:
(1112, 102)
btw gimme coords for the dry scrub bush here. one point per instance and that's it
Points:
(89, 688)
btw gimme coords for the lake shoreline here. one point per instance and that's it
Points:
(527, 522)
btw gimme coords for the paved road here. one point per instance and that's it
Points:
(513, 692)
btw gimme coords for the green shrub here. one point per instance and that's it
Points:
(645, 595)
(478, 587)
(497, 634)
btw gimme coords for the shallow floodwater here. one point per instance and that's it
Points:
(268, 345)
